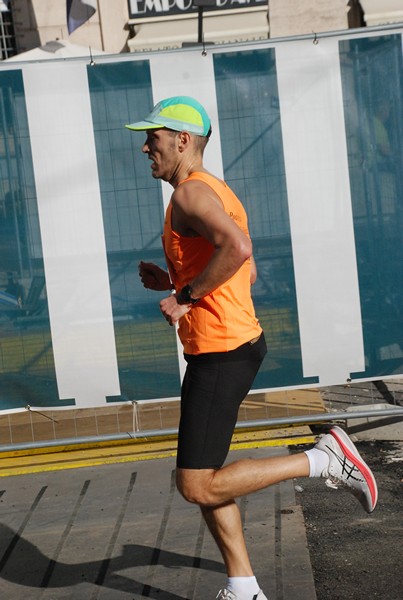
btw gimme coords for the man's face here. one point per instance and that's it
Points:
(161, 148)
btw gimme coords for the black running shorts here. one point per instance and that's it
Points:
(213, 388)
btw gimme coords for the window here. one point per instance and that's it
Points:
(7, 36)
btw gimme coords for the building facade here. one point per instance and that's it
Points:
(143, 25)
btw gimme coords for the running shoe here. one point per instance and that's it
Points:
(226, 594)
(346, 467)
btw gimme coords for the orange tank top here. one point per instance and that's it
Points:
(225, 318)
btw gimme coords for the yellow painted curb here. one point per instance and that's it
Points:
(103, 454)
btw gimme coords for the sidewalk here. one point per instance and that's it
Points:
(122, 531)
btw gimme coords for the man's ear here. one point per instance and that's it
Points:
(184, 140)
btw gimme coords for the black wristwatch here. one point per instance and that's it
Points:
(185, 296)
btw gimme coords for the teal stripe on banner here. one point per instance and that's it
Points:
(249, 116)
(133, 219)
(372, 75)
(27, 373)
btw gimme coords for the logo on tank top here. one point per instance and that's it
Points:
(235, 217)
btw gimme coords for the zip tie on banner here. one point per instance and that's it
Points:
(204, 51)
(40, 413)
(136, 426)
(315, 39)
(92, 61)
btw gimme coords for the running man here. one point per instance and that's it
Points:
(210, 271)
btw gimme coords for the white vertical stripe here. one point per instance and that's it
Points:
(189, 74)
(315, 151)
(73, 241)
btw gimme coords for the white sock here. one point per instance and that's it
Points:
(244, 587)
(318, 461)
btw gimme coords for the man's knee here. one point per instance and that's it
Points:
(195, 485)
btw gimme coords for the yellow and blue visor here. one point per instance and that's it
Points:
(180, 113)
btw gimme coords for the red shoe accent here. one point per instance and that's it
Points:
(369, 478)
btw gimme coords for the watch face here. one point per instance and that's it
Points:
(185, 296)
(186, 291)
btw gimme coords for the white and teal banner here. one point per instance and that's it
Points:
(309, 135)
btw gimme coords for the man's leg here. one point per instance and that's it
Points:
(224, 523)
(215, 490)
(212, 390)
(210, 487)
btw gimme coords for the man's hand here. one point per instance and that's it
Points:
(153, 277)
(173, 311)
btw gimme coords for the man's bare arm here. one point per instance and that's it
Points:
(197, 209)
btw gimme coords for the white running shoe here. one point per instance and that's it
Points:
(347, 467)
(226, 594)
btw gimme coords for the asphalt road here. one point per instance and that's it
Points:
(356, 556)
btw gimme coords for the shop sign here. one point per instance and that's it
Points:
(159, 8)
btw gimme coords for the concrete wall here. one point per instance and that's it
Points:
(380, 12)
(293, 17)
